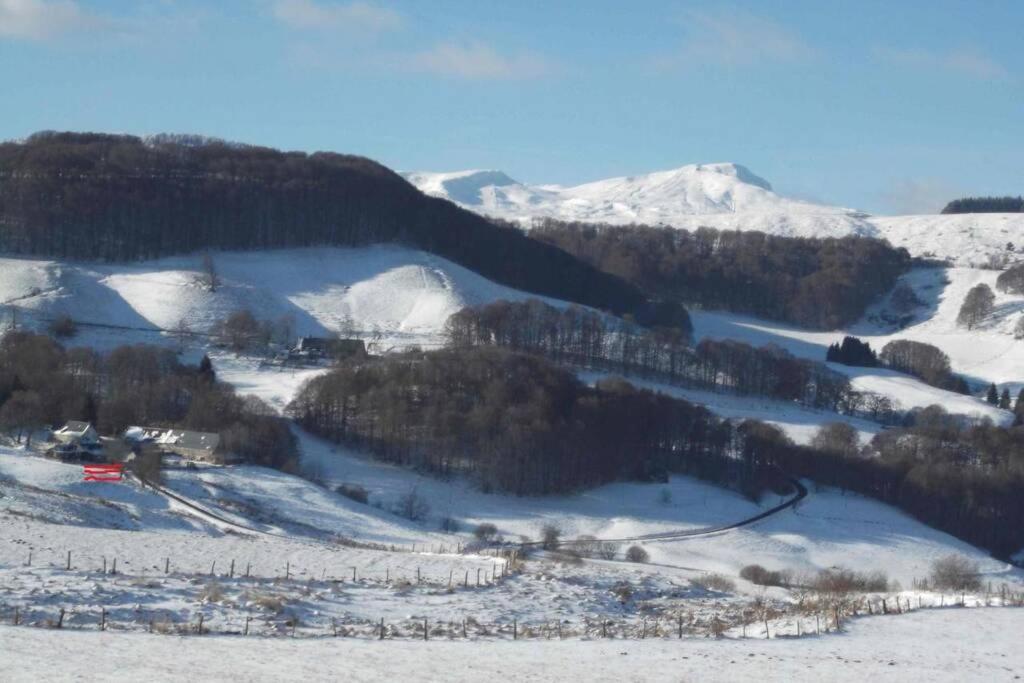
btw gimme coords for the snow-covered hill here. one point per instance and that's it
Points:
(725, 196)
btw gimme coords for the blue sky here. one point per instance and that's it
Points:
(885, 106)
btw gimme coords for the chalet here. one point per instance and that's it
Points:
(321, 347)
(76, 441)
(77, 433)
(201, 446)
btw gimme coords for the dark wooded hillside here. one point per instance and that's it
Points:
(117, 197)
(815, 283)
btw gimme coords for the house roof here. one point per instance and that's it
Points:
(75, 427)
(205, 441)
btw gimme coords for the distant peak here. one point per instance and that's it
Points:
(738, 171)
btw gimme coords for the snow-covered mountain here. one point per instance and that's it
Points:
(724, 192)
(726, 196)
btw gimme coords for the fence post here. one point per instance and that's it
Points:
(515, 630)
(103, 618)
(382, 628)
(17, 616)
(247, 566)
(231, 572)
(60, 619)
(104, 564)
(200, 629)
(247, 620)
(113, 569)
(680, 617)
(478, 577)
(426, 629)
(213, 567)
(167, 565)
(417, 574)
(466, 584)
(353, 573)
(604, 628)
(68, 567)
(287, 570)
(451, 573)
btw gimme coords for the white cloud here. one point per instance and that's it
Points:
(736, 38)
(478, 61)
(356, 16)
(961, 62)
(42, 19)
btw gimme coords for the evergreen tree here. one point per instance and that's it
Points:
(206, 370)
(1004, 399)
(993, 395)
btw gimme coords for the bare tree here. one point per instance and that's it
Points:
(209, 277)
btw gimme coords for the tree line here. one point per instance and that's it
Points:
(811, 282)
(587, 339)
(964, 478)
(985, 205)
(117, 197)
(927, 362)
(517, 423)
(42, 383)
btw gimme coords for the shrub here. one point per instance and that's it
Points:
(607, 550)
(636, 554)
(212, 592)
(485, 531)
(841, 580)
(63, 326)
(353, 492)
(758, 575)
(549, 535)
(955, 572)
(715, 582)
(413, 506)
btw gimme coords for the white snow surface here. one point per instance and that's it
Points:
(726, 196)
(933, 645)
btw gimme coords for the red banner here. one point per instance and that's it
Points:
(103, 472)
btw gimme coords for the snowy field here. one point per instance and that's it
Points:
(940, 645)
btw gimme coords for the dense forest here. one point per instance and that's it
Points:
(117, 197)
(985, 205)
(514, 422)
(815, 283)
(41, 383)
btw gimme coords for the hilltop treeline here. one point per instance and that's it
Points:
(816, 283)
(985, 205)
(41, 383)
(590, 340)
(116, 197)
(517, 423)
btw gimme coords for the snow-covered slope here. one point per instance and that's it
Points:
(395, 294)
(725, 196)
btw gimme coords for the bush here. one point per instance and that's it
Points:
(413, 506)
(715, 582)
(636, 554)
(549, 535)
(955, 572)
(841, 580)
(353, 492)
(758, 575)
(485, 531)
(607, 550)
(63, 326)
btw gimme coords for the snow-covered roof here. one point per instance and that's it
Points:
(75, 427)
(207, 441)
